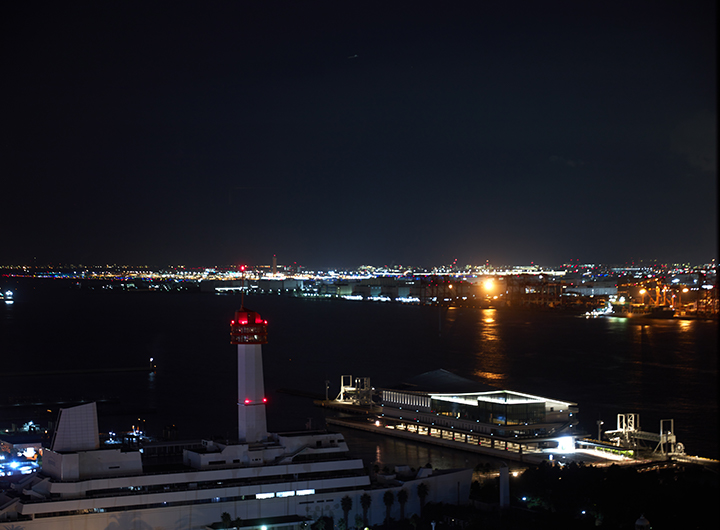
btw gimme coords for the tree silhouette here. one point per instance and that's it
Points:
(422, 491)
(365, 502)
(389, 500)
(346, 503)
(226, 520)
(121, 521)
(402, 498)
(415, 521)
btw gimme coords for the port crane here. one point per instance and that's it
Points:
(628, 435)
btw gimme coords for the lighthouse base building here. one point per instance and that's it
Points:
(266, 480)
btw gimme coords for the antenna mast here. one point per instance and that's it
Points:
(242, 291)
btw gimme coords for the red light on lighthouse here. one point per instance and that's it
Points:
(248, 328)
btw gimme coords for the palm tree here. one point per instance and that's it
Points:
(346, 503)
(365, 502)
(389, 500)
(226, 520)
(402, 497)
(422, 491)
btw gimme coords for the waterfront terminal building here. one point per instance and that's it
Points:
(444, 406)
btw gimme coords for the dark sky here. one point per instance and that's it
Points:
(349, 133)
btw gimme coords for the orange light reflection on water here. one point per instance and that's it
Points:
(491, 360)
(686, 325)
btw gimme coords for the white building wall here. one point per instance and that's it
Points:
(446, 488)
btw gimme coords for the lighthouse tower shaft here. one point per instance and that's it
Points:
(249, 332)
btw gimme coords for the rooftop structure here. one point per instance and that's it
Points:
(444, 399)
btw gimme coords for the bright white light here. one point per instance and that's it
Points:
(566, 444)
(409, 299)
(264, 495)
(285, 494)
(305, 492)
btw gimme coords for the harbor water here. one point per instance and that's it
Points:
(63, 346)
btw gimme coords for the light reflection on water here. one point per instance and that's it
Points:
(657, 368)
(661, 369)
(491, 360)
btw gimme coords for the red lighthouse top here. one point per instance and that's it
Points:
(248, 328)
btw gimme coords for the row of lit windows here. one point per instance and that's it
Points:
(271, 495)
(290, 493)
(228, 483)
(411, 400)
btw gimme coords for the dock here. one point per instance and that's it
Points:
(383, 430)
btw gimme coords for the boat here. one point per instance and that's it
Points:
(271, 480)
(7, 297)
(604, 311)
(660, 312)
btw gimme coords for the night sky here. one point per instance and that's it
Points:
(348, 133)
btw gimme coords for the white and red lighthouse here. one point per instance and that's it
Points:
(249, 332)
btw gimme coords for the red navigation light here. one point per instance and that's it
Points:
(242, 268)
(248, 328)
(264, 400)
(247, 401)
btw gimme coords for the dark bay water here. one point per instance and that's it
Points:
(660, 369)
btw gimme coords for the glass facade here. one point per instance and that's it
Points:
(497, 413)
